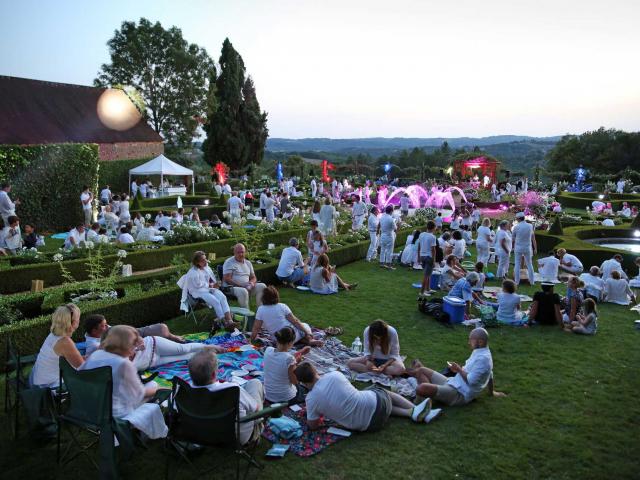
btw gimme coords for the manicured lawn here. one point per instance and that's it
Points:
(572, 409)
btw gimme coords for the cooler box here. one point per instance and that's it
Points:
(454, 306)
(435, 280)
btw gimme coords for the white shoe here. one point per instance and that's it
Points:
(432, 415)
(420, 411)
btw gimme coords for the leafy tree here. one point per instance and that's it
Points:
(236, 127)
(170, 74)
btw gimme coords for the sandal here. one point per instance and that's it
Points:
(333, 331)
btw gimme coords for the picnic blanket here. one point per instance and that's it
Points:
(243, 357)
(311, 441)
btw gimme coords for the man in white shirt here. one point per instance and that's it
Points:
(226, 189)
(358, 212)
(86, 198)
(93, 234)
(427, 254)
(239, 275)
(524, 247)
(503, 249)
(593, 284)
(7, 207)
(134, 189)
(372, 227)
(569, 263)
(469, 380)
(404, 205)
(203, 368)
(105, 195)
(387, 228)
(235, 206)
(291, 267)
(75, 236)
(620, 186)
(333, 397)
(548, 267)
(314, 188)
(612, 264)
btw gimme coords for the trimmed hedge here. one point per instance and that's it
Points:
(154, 306)
(18, 279)
(582, 200)
(115, 173)
(48, 180)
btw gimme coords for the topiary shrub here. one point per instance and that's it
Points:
(556, 227)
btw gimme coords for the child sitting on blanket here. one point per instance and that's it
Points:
(280, 381)
(586, 324)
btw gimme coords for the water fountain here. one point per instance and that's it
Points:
(420, 197)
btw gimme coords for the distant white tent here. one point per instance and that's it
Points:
(162, 166)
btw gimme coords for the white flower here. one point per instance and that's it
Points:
(33, 249)
(89, 244)
(147, 216)
(225, 214)
(58, 257)
(121, 254)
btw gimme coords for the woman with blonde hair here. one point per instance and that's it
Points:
(381, 351)
(46, 371)
(129, 393)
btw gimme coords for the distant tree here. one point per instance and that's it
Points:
(602, 151)
(236, 128)
(170, 74)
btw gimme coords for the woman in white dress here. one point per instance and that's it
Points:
(381, 351)
(125, 215)
(46, 371)
(410, 252)
(269, 204)
(201, 283)
(484, 241)
(327, 218)
(616, 290)
(324, 279)
(129, 394)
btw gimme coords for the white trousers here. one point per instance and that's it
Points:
(373, 246)
(242, 294)
(573, 270)
(528, 257)
(483, 253)
(386, 248)
(356, 222)
(216, 300)
(503, 263)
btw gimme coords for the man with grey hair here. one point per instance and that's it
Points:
(292, 268)
(203, 367)
(463, 289)
(238, 274)
(503, 249)
(469, 380)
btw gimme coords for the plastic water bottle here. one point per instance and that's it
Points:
(356, 346)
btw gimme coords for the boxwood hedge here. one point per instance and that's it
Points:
(582, 200)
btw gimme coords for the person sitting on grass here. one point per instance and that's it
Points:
(324, 279)
(125, 236)
(11, 237)
(334, 398)
(548, 267)
(451, 273)
(508, 303)
(280, 381)
(381, 351)
(46, 371)
(569, 263)
(30, 238)
(616, 290)
(593, 284)
(463, 289)
(573, 301)
(203, 369)
(273, 316)
(545, 308)
(469, 380)
(586, 324)
(445, 244)
(129, 393)
(479, 269)
(75, 236)
(291, 268)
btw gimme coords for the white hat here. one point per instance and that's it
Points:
(520, 215)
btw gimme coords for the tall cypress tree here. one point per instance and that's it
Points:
(254, 123)
(236, 128)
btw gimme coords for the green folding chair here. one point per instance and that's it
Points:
(210, 419)
(88, 408)
(15, 381)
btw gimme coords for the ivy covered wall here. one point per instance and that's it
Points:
(48, 180)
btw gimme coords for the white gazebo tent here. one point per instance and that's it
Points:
(162, 166)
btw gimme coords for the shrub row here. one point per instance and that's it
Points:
(18, 279)
(154, 306)
(583, 200)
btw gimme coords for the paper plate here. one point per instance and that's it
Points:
(302, 288)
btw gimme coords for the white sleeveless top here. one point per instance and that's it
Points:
(46, 371)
